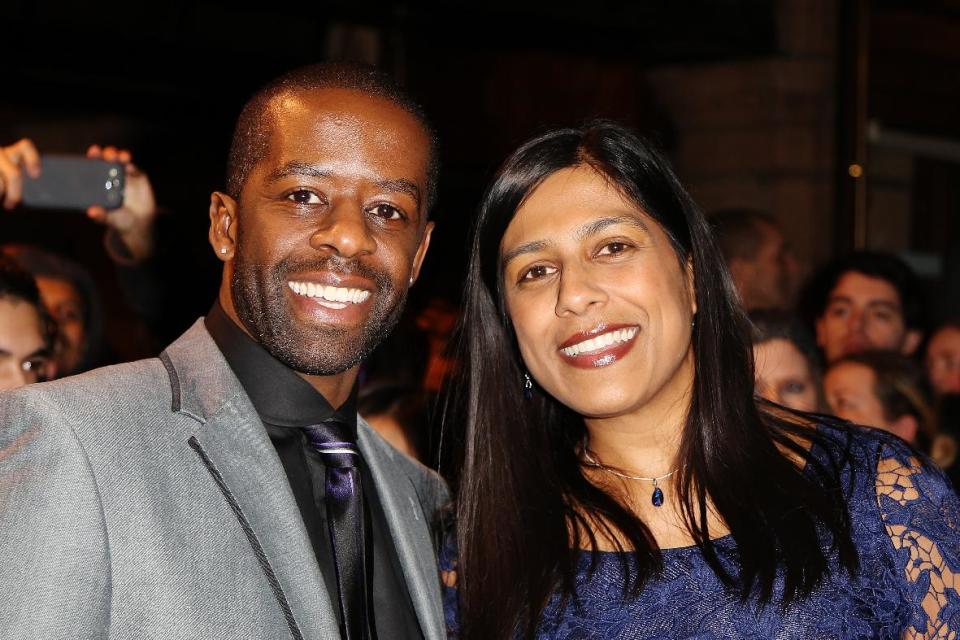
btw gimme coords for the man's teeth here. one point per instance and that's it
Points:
(600, 342)
(327, 292)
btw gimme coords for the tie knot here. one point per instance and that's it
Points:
(331, 439)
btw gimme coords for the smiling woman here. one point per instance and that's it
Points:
(619, 479)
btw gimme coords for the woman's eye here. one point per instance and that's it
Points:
(795, 387)
(302, 196)
(386, 211)
(613, 248)
(537, 272)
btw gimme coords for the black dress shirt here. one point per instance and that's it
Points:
(286, 403)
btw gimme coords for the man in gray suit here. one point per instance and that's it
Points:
(227, 489)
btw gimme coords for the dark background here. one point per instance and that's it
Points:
(760, 103)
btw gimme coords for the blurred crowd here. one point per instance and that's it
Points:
(852, 339)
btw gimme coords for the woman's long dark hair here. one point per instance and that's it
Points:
(524, 506)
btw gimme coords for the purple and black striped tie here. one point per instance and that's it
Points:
(345, 522)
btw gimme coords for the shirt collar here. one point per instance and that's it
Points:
(280, 396)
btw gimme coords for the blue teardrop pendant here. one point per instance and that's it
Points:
(657, 497)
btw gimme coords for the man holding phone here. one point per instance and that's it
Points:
(228, 488)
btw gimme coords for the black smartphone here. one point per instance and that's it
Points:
(74, 182)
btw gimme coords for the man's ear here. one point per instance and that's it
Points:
(421, 252)
(223, 225)
(910, 342)
(906, 427)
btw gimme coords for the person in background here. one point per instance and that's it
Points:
(864, 302)
(67, 288)
(786, 361)
(24, 329)
(71, 298)
(887, 390)
(763, 268)
(129, 228)
(397, 412)
(943, 358)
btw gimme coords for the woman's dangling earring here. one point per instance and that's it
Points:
(527, 387)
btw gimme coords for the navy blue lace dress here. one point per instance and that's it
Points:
(906, 527)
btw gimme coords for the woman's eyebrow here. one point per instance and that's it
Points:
(526, 247)
(585, 231)
(596, 226)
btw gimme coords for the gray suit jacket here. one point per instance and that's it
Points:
(146, 500)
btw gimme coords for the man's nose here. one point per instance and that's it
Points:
(345, 231)
(578, 291)
(856, 321)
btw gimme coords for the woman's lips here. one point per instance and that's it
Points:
(599, 348)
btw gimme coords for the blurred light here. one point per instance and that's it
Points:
(855, 170)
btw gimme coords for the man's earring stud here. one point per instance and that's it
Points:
(223, 249)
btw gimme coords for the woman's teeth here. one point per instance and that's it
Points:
(329, 293)
(602, 341)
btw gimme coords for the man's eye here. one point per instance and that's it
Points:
(303, 196)
(838, 311)
(387, 212)
(34, 365)
(536, 272)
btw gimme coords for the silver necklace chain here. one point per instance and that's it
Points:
(593, 462)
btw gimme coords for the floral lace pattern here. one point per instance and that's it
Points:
(906, 527)
(929, 555)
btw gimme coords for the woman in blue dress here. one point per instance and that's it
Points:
(619, 479)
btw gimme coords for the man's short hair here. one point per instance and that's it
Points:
(251, 136)
(16, 284)
(883, 266)
(739, 233)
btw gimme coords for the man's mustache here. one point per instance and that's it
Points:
(334, 264)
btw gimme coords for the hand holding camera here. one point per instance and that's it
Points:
(106, 184)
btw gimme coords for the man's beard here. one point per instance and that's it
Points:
(259, 296)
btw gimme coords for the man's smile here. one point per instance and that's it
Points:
(329, 295)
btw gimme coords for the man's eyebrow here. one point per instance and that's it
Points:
(299, 168)
(401, 185)
(296, 168)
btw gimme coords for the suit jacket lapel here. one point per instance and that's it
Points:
(410, 531)
(234, 446)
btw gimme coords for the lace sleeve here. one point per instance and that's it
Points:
(921, 514)
(448, 581)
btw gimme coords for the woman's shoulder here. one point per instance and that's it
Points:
(858, 447)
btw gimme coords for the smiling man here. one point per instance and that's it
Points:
(227, 488)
